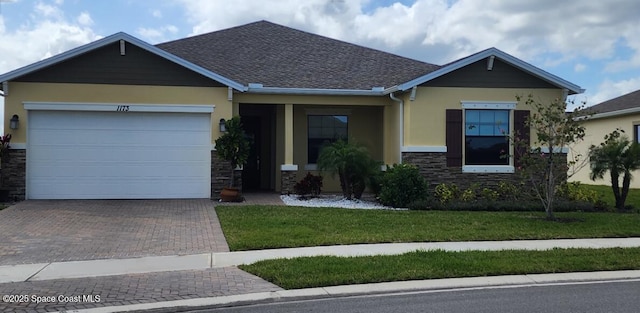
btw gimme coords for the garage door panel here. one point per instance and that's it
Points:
(109, 155)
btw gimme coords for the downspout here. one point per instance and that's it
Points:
(401, 118)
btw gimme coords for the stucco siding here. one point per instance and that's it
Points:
(595, 130)
(97, 93)
(425, 116)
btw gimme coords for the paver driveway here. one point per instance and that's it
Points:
(37, 231)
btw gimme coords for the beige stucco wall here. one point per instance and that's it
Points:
(364, 127)
(95, 93)
(425, 117)
(595, 130)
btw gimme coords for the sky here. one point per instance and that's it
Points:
(592, 43)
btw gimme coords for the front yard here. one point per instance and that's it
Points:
(266, 227)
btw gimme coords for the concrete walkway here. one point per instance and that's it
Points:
(110, 267)
(213, 263)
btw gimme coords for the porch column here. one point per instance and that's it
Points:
(288, 170)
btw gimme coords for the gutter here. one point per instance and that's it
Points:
(260, 89)
(401, 135)
(610, 114)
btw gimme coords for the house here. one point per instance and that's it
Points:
(120, 118)
(622, 112)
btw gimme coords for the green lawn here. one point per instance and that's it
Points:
(263, 227)
(633, 198)
(330, 271)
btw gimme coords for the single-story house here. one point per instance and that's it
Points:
(121, 118)
(623, 113)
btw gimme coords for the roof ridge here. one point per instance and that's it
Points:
(288, 28)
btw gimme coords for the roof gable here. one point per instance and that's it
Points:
(108, 65)
(477, 74)
(111, 41)
(496, 54)
(277, 56)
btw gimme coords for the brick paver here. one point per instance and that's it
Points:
(134, 288)
(36, 231)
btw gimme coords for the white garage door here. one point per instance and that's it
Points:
(118, 155)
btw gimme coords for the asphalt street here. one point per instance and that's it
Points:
(592, 297)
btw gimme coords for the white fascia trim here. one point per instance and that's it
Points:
(497, 105)
(313, 91)
(311, 167)
(18, 146)
(112, 39)
(288, 167)
(504, 57)
(609, 114)
(424, 149)
(555, 149)
(119, 107)
(488, 169)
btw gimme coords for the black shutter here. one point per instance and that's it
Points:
(454, 138)
(522, 133)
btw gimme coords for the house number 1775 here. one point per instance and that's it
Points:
(122, 108)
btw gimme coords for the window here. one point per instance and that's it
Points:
(322, 130)
(636, 132)
(486, 141)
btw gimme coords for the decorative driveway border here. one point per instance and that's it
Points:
(43, 231)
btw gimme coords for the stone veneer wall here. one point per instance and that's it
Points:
(433, 166)
(14, 173)
(220, 170)
(289, 179)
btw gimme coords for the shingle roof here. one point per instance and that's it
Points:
(279, 56)
(627, 101)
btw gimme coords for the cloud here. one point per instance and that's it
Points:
(46, 33)
(156, 13)
(609, 89)
(84, 19)
(159, 34)
(579, 68)
(442, 30)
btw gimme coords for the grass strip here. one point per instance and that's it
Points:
(325, 271)
(264, 227)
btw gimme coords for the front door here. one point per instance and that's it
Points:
(251, 171)
(259, 124)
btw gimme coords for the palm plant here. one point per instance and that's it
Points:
(619, 156)
(352, 163)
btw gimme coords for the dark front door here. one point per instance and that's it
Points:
(258, 121)
(251, 171)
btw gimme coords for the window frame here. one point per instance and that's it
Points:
(488, 105)
(313, 165)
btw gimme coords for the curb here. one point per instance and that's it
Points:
(372, 289)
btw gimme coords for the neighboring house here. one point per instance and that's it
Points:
(120, 118)
(622, 112)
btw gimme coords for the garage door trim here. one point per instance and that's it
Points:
(119, 107)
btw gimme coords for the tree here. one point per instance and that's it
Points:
(619, 156)
(353, 164)
(556, 131)
(234, 145)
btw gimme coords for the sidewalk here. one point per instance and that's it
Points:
(240, 286)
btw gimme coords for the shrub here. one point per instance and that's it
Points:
(446, 192)
(489, 194)
(310, 184)
(402, 184)
(500, 206)
(508, 191)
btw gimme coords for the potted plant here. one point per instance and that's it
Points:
(233, 146)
